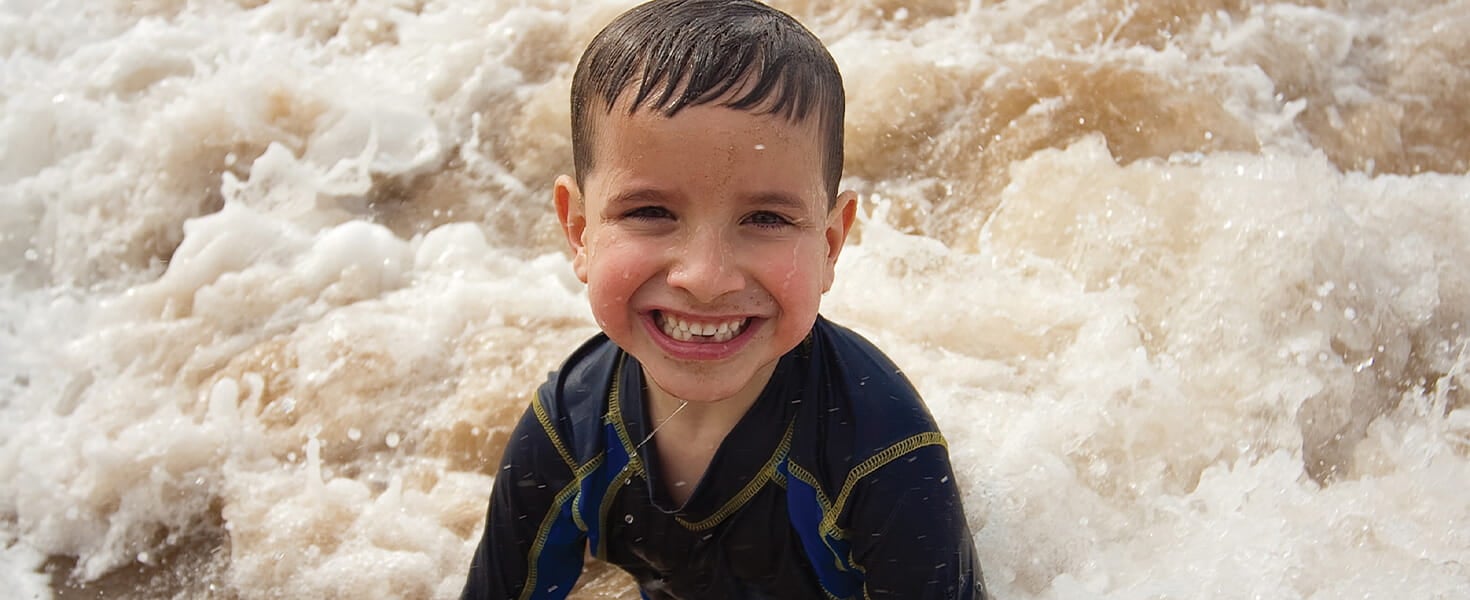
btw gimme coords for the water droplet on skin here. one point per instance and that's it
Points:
(354, 434)
(392, 439)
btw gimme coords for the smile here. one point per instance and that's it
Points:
(693, 331)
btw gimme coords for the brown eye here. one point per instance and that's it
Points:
(649, 213)
(767, 219)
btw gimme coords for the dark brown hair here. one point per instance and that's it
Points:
(679, 53)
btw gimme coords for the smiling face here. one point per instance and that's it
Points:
(706, 242)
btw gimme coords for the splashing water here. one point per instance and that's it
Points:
(1184, 283)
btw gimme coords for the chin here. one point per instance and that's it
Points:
(696, 388)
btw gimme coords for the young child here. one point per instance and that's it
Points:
(719, 439)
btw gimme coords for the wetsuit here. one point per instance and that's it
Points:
(835, 484)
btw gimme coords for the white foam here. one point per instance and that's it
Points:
(20, 574)
(235, 302)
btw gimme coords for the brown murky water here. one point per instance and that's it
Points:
(1183, 281)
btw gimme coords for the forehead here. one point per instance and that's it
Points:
(707, 140)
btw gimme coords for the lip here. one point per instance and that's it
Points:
(698, 351)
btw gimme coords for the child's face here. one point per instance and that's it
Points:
(705, 241)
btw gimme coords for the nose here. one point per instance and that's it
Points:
(705, 266)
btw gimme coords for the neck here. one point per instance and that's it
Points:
(703, 419)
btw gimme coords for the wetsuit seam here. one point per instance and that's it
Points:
(550, 429)
(825, 506)
(581, 474)
(615, 417)
(877, 461)
(607, 501)
(544, 532)
(767, 473)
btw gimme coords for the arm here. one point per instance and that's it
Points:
(908, 532)
(531, 547)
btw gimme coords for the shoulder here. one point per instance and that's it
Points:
(866, 413)
(868, 392)
(573, 399)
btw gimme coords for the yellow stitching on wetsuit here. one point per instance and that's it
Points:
(550, 430)
(607, 499)
(807, 478)
(822, 504)
(615, 416)
(767, 473)
(581, 474)
(877, 461)
(542, 534)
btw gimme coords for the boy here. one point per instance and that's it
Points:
(719, 439)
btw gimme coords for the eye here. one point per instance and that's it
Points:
(768, 220)
(648, 213)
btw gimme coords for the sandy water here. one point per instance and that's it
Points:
(1185, 283)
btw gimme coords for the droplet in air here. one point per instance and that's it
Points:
(354, 434)
(628, 519)
(392, 439)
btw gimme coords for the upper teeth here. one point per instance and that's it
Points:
(684, 331)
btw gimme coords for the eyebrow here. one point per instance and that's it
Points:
(762, 199)
(778, 200)
(638, 194)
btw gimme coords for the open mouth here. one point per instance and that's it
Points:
(699, 331)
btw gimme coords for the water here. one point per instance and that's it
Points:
(1184, 282)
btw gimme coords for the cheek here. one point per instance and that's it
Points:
(615, 272)
(798, 278)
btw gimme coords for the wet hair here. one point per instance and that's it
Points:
(741, 54)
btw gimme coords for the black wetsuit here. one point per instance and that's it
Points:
(835, 484)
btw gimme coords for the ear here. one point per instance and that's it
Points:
(839, 223)
(571, 213)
